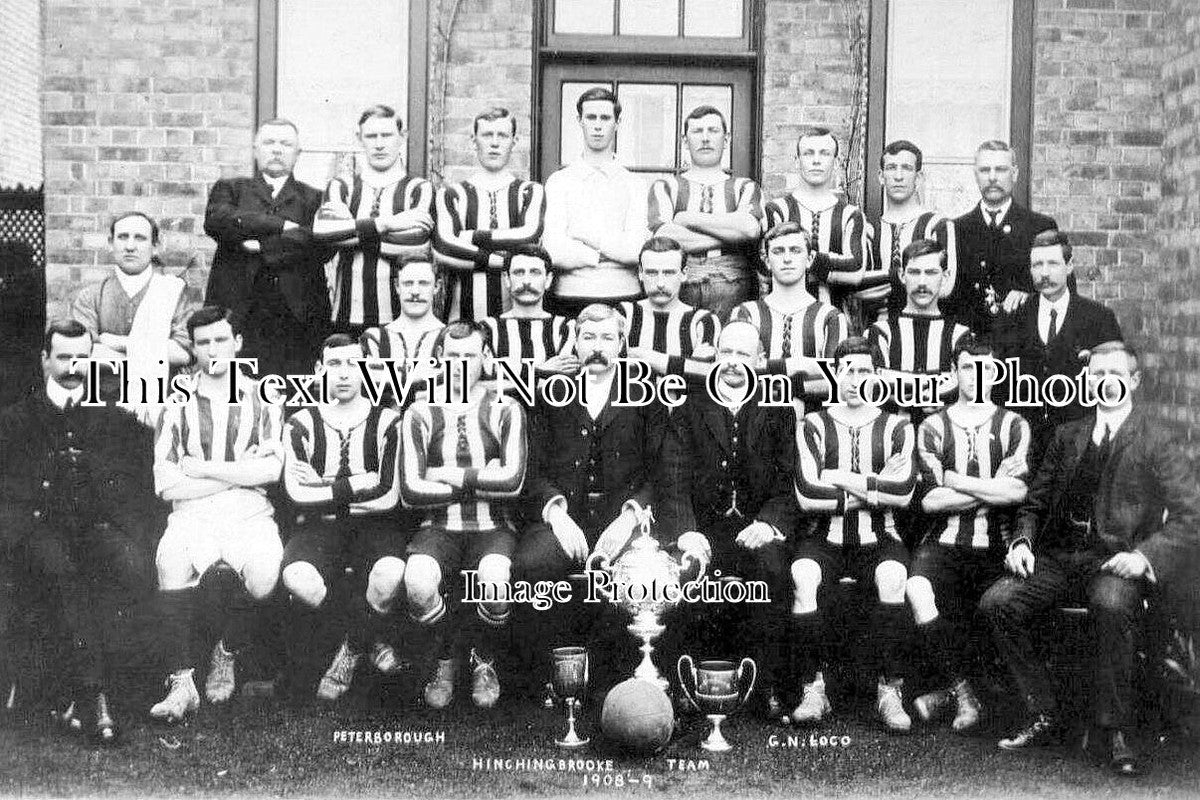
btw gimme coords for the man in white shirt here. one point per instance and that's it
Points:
(595, 216)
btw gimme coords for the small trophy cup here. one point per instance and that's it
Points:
(718, 693)
(570, 675)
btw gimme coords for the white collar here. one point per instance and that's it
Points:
(1059, 305)
(276, 183)
(1113, 419)
(59, 394)
(132, 284)
(491, 181)
(377, 179)
(718, 178)
(987, 210)
(598, 393)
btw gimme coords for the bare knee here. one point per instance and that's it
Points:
(495, 571)
(890, 578)
(422, 581)
(919, 592)
(384, 582)
(806, 580)
(304, 582)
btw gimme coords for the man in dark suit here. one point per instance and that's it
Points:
(78, 518)
(993, 241)
(266, 268)
(1092, 529)
(1051, 335)
(741, 455)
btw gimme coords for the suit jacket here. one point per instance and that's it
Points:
(627, 453)
(1085, 325)
(240, 209)
(993, 257)
(753, 453)
(1147, 475)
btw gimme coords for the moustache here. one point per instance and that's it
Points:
(597, 358)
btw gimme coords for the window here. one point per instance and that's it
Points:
(948, 75)
(320, 66)
(662, 58)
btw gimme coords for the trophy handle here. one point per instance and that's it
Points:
(692, 555)
(683, 687)
(596, 558)
(747, 662)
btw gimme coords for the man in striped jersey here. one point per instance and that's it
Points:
(856, 467)
(917, 341)
(213, 461)
(715, 216)
(481, 218)
(974, 467)
(527, 330)
(903, 221)
(462, 463)
(595, 215)
(376, 221)
(795, 327)
(340, 460)
(411, 335)
(664, 331)
(839, 234)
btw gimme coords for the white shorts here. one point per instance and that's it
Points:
(234, 527)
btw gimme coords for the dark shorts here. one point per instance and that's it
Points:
(958, 574)
(457, 550)
(333, 545)
(858, 562)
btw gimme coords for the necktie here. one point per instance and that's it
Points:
(896, 259)
(786, 351)
(992, 221)
(816, 232)
(493, 217)
(70, 404)
(1053, 330)
(343, 454)
(462, 450)
(1105, 443)
(706, 200)
(375, 202)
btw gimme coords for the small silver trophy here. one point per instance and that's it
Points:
(718, 693)
(570, 676)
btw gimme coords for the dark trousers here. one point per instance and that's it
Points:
(282, 344)
(1014, 606)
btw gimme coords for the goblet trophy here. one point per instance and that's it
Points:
(570, 676)
(718, 693)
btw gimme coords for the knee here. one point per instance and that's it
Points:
(174, 570)
(384, 582)
(890, 580)
(422, 580)
(261, 574)
(305, 583)
(919, 593)
(1115, 599)
(806, 580)
(494, 568)
(999, 604)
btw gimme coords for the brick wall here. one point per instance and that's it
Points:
(1173, 328)
(145, 115)
(490, 64)
(20, 123)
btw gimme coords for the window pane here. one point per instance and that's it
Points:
(647, 134)
(696, 95)
(649, 17)
(583, 16)
(571, 139)
(949, 187)
(968, 46)
(320, 89)
(713, 18)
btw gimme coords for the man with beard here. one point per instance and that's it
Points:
(463, 463)
(715, 216)
(340, 472)
(75, 524)
(855, 468)
(410, 337)
(527, 330)
(377, 221)
(741, 455)
(213, 461)
(482, 218)
(266, 268)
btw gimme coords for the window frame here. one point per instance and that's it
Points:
(266, 97)
(638, 44)
(1020, 123)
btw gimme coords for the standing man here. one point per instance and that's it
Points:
(903, 221)
(340, 461)
(1112, 519)
(839, 236)
(595, 216)
(715, 216)
(1053, 333)
(77, 519)
(267, 269)
(463, 464)
(379, 220)
(993, 240)
(482, 218)
(213, 461)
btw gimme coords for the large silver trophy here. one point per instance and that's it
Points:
(647, 565)
(719, 692)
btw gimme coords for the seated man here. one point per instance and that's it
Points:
(741, 454)
(1112, 518)
(340, 460)
(856, 468)
(137, 314)
(76, 521)
(528, 330)
(973, 461)
(411, 335)
(662, 323)
(213, 461)
(462, 462)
